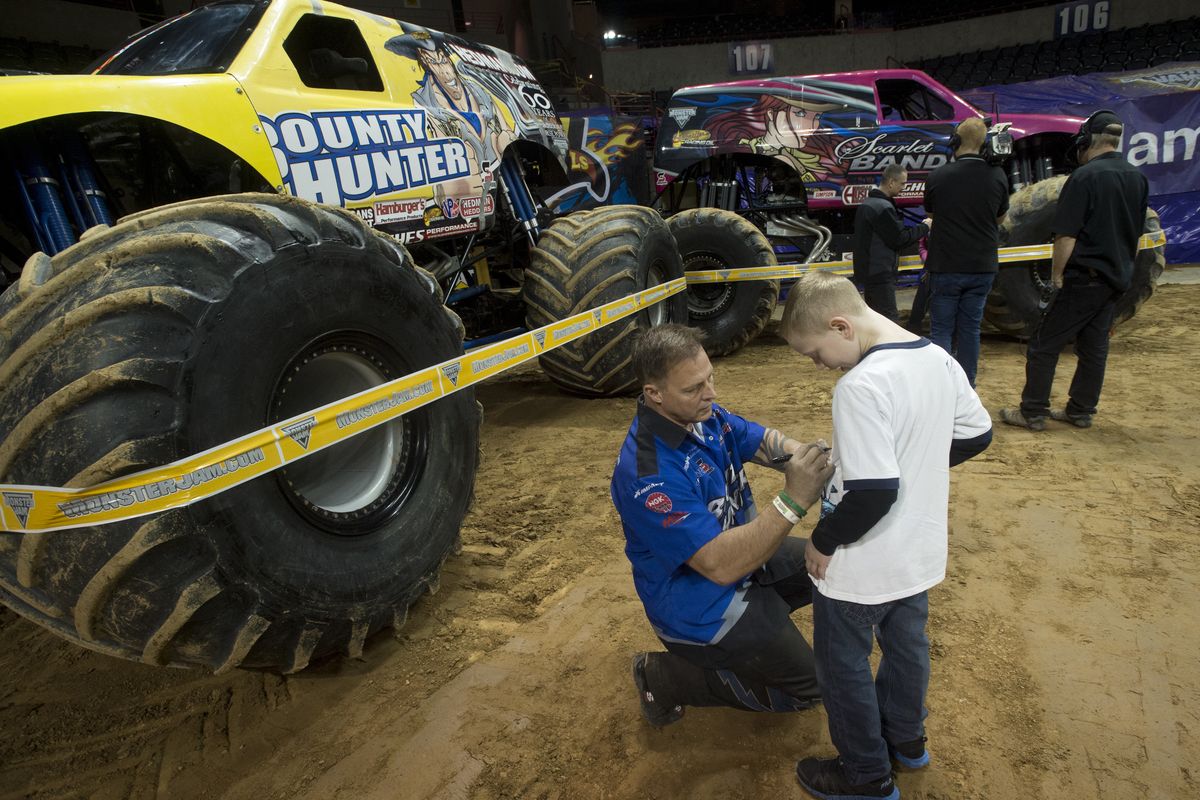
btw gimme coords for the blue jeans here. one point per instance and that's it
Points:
(956, 301)
(866, 714)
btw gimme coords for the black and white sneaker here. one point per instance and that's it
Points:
(655, 713)
(824, 778)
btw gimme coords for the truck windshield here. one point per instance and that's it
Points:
(204, 40)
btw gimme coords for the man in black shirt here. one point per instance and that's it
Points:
(966, 198)
(878, 236)
(1100, 216)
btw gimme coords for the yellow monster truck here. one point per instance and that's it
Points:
(268, 161)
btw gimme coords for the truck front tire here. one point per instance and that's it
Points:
(187, 326)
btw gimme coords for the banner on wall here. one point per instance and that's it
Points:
(1160, 107)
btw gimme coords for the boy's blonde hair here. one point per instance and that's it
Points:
(817, 298)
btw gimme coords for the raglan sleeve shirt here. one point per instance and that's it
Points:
(870, 471)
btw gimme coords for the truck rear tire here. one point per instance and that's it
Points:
(1012, 306)
(730, 314)
(184, 327)
(590, 258)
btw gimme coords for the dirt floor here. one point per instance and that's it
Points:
(1064, 640)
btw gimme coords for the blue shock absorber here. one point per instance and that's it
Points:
(42, 200)
(85, 183)
(512, 183)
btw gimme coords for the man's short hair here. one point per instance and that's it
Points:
(973, 133)
(661, 348)
(893, 172)
(817, 298)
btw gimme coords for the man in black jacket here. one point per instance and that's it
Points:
(968, 197)
(1100, 216)
(878, 236)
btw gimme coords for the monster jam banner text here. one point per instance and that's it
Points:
(333, 157)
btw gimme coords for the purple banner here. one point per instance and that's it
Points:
(1161, 111)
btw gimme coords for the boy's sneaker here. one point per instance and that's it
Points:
(1013, 416)
(655, 712)
(824, 778)
(1078, 420)
(910, 755)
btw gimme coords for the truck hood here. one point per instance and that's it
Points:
(1029, 124)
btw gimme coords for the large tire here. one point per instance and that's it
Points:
(182, 328)
(730, 314)
(594, 257)
(1012, 306)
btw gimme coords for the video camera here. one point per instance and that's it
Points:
(997, 147)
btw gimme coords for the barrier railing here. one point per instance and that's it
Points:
(204, 475)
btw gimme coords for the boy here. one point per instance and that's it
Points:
(903, 414)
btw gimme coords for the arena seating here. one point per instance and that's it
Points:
(1108, 51)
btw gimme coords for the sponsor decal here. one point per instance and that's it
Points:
(704, 467)
(393, 400)
(646, 488)
(682, 116)
(674, 518)
(662, 179)
(599, 315)
(872, 155)
(20, 504)
(659, 503)
(490, 62)
(574, 327)
(855, 194)
(508, 354)
(451, 372)
(146, 493)
(468, 207)
(412, 237)
(366, 214)
(432, 213)
(399, 210)
(299, 432)
(335, 157)
(824, 194)
(450, 230)
(726, 428)
(540, 338)
(1186, 78)
(724, 273)
(693, 138)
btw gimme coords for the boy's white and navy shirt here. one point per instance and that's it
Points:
(896, 415)
(675, 491)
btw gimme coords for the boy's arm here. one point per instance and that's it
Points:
(870, 472)
(972, 423)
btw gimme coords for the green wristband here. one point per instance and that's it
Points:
(792, 504)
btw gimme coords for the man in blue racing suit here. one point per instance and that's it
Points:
(718, 580)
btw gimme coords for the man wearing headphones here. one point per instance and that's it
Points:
(1100, 216)
(966, 198)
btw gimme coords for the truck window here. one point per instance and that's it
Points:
(903, 99)
(330, 53)
(204, 40)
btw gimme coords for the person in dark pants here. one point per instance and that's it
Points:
(718, 580)
(879, 235)
(1099, 220)
(967, 198)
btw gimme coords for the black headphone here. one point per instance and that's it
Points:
(1083, 139)
(955, 140)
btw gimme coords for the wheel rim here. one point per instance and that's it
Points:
(707, 300)
(351, 488)
(658, 313)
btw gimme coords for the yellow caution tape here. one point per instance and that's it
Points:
(783, 271)
(44, 508)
